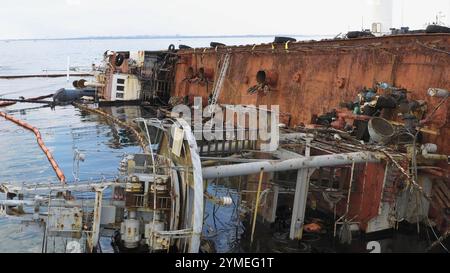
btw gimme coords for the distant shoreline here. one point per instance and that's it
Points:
(149, 37)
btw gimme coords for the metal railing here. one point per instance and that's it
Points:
(226, 146)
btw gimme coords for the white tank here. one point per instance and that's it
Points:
(380, 16)
(130, 233)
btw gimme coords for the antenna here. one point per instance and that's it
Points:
(440, 18)
(68, 68)
(403, 13)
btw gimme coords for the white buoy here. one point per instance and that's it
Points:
(68, 68)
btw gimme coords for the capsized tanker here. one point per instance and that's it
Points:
(363, 126)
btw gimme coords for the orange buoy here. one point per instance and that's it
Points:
(313, 228)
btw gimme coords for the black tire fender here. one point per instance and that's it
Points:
(437, 29)
(216, 44)
(282, 40)
(359, 34)
(119, 59)
(184, 47)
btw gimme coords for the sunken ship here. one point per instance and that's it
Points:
(363, 138)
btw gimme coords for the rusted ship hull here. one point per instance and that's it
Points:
(363, 137)
(308, 79)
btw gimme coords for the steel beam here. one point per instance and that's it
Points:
(97, 219)
(290, 164)
(300, 198)
(299, 207)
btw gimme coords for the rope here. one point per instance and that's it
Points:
(432, 48)
(411, 180)
(435, 110)
(439, 240)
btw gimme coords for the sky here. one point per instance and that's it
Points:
(20, 19)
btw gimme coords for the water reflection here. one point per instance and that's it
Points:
(117, 137)
(63, 129)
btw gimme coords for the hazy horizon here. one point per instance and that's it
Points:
(59, 19)
(162, 36)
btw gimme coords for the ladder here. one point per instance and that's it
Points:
(219, 82)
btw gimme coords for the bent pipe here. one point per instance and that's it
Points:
(48, 154)
(291, 164)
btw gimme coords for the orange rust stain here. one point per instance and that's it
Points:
(314, 77)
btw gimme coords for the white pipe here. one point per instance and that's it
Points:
(438, 92)
(93, 84)
(290, 164)
(13, 203)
